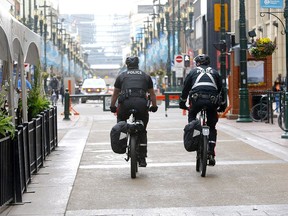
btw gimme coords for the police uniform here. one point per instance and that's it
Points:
(134, 85)
(203, 86)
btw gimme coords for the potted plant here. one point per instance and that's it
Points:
(262, 48)
(6, 124)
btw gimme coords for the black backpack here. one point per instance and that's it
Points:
(118, 137)
(192, 135)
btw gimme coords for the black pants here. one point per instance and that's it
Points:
(212, 115)
(140, 104)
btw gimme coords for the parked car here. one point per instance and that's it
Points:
(94, 87)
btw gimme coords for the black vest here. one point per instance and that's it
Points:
(134, 79)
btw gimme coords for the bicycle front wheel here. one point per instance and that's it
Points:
(133, 155)
(259, 112)
(203, 157)
(281, 120)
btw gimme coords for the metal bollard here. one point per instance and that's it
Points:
(66, 105)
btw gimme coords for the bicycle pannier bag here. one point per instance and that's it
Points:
(192, 135)
(118, 137)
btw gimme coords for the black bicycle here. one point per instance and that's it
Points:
(259, 112)
(202, 155)
(282, 120)
(135, 127)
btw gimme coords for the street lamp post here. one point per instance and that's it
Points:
(45, 35)
(61, 49)
(29, 15)
(178, 28)
(51, 15)
(45, 46)
(41, 23)
(35, 19)
(223, 50)
(168, 65)
(243, 91)
(150, 35)
(132, 45)
(185, 19)
(148, 27)
(285, 135)
(24, 18)
(146, 42)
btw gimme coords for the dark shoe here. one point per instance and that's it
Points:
(142, 162)
(211, 160)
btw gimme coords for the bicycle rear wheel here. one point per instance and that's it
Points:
(133, 155)
(259, 112)
(281, 120)
(203, 156)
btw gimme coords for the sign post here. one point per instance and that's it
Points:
(179, 61)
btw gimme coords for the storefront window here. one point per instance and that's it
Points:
(255, 72)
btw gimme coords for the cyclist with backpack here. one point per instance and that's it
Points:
(203, 86)
(130, 89)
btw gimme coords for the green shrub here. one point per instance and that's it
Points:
(6, 124)
(36, 102)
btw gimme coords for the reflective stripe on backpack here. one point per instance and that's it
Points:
(203, 72)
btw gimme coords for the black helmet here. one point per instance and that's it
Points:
(132, 62)
(202, 59)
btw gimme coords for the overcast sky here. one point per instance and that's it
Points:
(103, 7)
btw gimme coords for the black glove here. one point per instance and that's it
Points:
(222, 107)
(153, 108)
(182, 105)
(113, 109)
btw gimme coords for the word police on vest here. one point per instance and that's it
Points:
(134, 72)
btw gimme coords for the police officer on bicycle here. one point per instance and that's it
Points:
(131, 88)
(203, 85)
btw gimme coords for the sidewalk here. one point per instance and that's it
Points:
(261, 135)
(50, 190)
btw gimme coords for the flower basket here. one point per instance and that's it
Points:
(262, 48)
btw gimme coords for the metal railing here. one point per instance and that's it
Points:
(23, 156)
(6, 170)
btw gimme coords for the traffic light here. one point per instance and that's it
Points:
(186, 61)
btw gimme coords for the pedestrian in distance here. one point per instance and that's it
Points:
(277, 88)
(62, 92)
(130, 90)
(203, 87)
(54, 86)
(28, 84)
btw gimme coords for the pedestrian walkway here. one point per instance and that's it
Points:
(83, 177)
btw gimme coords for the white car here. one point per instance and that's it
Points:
(93, 87)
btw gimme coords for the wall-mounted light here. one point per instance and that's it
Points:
(275, 23)
(260, 29)
(252, 34)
